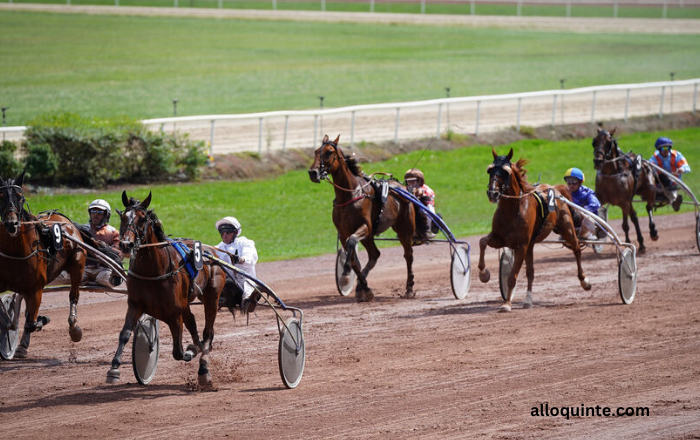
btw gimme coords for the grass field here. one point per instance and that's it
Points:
(290, 217)
(464, 8)
(135, 66)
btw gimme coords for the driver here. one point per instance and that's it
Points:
(584, 197)
(241, 253)
(415, 183)
(672, 161)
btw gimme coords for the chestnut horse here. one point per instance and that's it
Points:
(359, 215)
(158, 283)
(525, 215)
(619, 177)
(29, 262)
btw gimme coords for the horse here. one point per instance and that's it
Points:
(620, 176)
(360, 214)
(159, 284)
(30, 258)
(525, 215)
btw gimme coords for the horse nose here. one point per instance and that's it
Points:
(126, 246)
(314, 175)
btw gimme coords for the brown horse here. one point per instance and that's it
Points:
(30, 260)
(619, 178)
(359, 214)
(158, 283)
(525, 215)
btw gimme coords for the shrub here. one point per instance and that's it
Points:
(41, 163)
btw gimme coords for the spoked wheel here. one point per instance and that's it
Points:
(291, 356)
(627, 276)
(505, 267)
(460, 272)
(344, 288)
(144, 350)
(697, 230)
(598, 248)
(9, 317)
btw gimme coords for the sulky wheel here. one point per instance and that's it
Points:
(291, 356)
(9, 317)
(144, 353)
(344, 288)
(505, 267)
(697, 230)
(627, 276)
(460, 272)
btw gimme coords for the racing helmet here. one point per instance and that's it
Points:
(104, 206)
(663, 142)
(576, 173)
(229, 224)
(414, 173)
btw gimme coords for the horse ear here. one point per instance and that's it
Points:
(510, 155)
(120, 213)
(20, 179)
(337, 140)
(612, 132)
(325, 139)
(146, 201)
(493, 151)
(125, 199)
(599, 129)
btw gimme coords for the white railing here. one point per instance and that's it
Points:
(421, 119)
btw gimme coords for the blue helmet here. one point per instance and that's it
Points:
(575, 172)
(663, 142)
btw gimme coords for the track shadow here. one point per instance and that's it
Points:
(24, 364)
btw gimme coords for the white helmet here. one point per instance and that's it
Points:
(230, 222)
(103, 205)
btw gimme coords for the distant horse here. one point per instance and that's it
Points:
(619, 177)
(359, 214)
(30, 259)
(525, 215)
(158, 283)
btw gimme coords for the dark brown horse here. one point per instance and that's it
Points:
(359, 214)
(525, 215)
(158, 283)
(620, 176)
(29, 260)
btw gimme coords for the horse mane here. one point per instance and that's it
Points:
(157, 225)
(520, 175)
(351, 162)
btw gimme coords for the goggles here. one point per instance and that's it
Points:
(665, 148)
(96, 211)
(572, 181)
(227, 230)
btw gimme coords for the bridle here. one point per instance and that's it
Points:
(499, 168)
(9, 205)
(323, 171)
(139, 234)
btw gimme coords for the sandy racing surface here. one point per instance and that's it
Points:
(432, 367)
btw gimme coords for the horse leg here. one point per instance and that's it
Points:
(530, 272)
(362, 291)
(406, 240)
(76, 276)
(569, 234)
(32, 322)
(196, 346)
(635, 222)
(652, 226)
(518, 259)
(175, 326)
(132, 318)
(487, 240)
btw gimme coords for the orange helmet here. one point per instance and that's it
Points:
(414, 173)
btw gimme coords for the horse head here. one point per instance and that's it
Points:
(12, 204)
(135, 222)
(604, 147)
(327, 159)
(500, 172)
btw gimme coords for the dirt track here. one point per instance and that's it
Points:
(433, 367)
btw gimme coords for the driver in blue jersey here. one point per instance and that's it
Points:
(672, 161)
(584, 197)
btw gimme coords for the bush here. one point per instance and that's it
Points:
(9, 166)
(94, 152)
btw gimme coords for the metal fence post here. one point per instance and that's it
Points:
(554, 109)
(286, 128)
(568, 9)
(211, 141)
(627, 104)
(371, 5)
(396, 131)
(260, 130)
(664, 10)
(615, 10)
(176, 5)
(517, 124)
(473, 9)
(274, 5)
(478, 113)
(520, 6)
(315, 128)
(422, 6)
(661, 105)
(437, 135)
(593, 109)
(352, 129)
(323, 5)
(695, 96)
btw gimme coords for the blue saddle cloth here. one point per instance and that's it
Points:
(184, 252)
(436, 218)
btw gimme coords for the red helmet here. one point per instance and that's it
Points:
(414, 173)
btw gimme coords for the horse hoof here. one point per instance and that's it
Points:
(113, 375)
(76, 333)
(20, 353)
(654, 236)
(364, 296)
(642, 250)
(204, 380)
(409, 294)
(192, 349)
(505, 308)
(484, 276)
(344, 280)
(527, 305)
(187, 356)
(586, 284)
